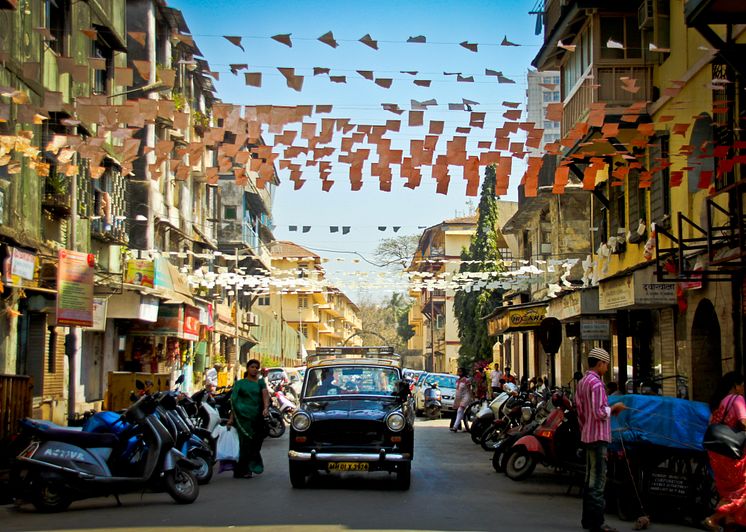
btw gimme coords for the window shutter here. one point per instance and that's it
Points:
(659, 188)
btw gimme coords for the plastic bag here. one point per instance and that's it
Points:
(228, 447)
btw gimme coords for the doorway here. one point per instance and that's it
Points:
(707, 364)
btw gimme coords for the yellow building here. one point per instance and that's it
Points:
(649, 127)
(431, 316)
(322, 315)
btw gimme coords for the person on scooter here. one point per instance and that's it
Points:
(594, 416)
(249, 407)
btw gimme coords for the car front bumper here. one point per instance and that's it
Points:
(383, 456)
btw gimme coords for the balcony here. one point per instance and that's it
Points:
(603, 85)
(237, 234)
(433, 299)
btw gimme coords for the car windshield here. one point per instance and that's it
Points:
(444, 381)
(351, 380)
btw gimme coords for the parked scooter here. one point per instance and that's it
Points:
(556, 443)
(515, 411)
(433, 401)
(489, 413)
(62, 465)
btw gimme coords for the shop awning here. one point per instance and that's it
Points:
(171, 285)
(572, 305)
(516, 318)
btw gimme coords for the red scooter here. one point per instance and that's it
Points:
(554, 443)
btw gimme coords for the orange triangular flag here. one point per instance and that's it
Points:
(233, 39)
(328, 38)
(284, 38)
(474, 47)
(369, 41)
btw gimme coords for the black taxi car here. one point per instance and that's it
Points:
(355, 415)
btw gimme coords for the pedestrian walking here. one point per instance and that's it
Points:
(495, 376)
(249, 407)
(594, 416)
(480, 384)
(463, 398)
(729, 407)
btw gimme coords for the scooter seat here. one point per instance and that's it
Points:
(73, 437)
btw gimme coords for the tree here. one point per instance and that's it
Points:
(385, 319)
(398, 250)
(471, 307)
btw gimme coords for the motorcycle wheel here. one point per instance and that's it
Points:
(477, 428)
(520, 465)
(49, 495)
(203, 473)
(470, 414)
(499, 458)
(276, 426)
(490, 437)
(181, 485)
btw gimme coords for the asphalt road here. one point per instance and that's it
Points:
(453, 488)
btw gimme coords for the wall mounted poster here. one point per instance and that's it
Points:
(75, 288)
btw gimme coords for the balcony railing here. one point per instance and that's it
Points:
(604, 86)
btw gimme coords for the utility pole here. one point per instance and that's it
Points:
(72, 338)
(432, 330)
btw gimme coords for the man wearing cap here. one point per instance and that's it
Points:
(594, 416)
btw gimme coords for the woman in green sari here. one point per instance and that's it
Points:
(249, 407)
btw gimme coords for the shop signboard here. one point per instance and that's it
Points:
(140, 273)
(75, 273)
(595, 329)
(190, 324)
(640, 289)
(206, 315)
(148, 308)
(516, 320)
(22, 264)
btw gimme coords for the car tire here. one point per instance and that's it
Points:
(404, 476)
(520, 465)
(298, 475)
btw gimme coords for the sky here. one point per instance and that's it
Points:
(391, 23)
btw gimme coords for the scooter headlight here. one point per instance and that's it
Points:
(301, 421)
(395, 422)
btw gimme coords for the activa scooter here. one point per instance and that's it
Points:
(433, 401)
(62, 465)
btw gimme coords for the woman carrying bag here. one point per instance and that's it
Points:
(249, 407)
(729, 408)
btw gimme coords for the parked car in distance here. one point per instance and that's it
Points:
(446, 383)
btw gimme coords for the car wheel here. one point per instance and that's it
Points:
(298, 475)
(404, 476)
(520, 464)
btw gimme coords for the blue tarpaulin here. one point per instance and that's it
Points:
(656, 420)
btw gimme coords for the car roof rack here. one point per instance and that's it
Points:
(382, 355)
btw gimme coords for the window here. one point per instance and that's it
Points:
(637, 200)
(617, 214)
(578, 62)
(263, 301)
(624, 30)
(57, 21)
(303, 301)
(101, 78)
(352, 380)
(304, 329)
(660, 191)
(230, 212)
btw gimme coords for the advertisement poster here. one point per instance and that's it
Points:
(75, 288)
(140, 273)
(22, 264)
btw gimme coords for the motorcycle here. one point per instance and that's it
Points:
(488, 414)
(555, 443)
(274, 422)
(433, 401)
(281, 402)
(503, 447)
(61, 465)
(515, 411)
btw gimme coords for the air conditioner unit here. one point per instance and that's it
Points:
(646, 15)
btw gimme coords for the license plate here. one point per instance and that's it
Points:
(348, 466)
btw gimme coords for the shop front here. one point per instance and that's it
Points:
(585, 326)
(515, 326)
(644, 322)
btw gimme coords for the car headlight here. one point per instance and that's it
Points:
(301, 421)
(395, 422)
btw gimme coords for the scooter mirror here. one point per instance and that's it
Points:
(403, 390)
(140, 385)
(180, 379)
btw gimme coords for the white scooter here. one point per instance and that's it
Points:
(492, 411)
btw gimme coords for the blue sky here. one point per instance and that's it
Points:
(445, 24)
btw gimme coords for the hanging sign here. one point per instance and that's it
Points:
(99, 314)
(140, 272)
(75, 288)
(22, 264)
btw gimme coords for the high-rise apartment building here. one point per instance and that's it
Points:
(543, 89)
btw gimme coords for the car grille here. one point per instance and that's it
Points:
(348, 432)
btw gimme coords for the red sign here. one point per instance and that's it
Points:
(190, 329)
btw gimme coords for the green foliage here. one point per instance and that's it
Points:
(179, 100)
(470, 308)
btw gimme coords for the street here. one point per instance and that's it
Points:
(453, 488)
